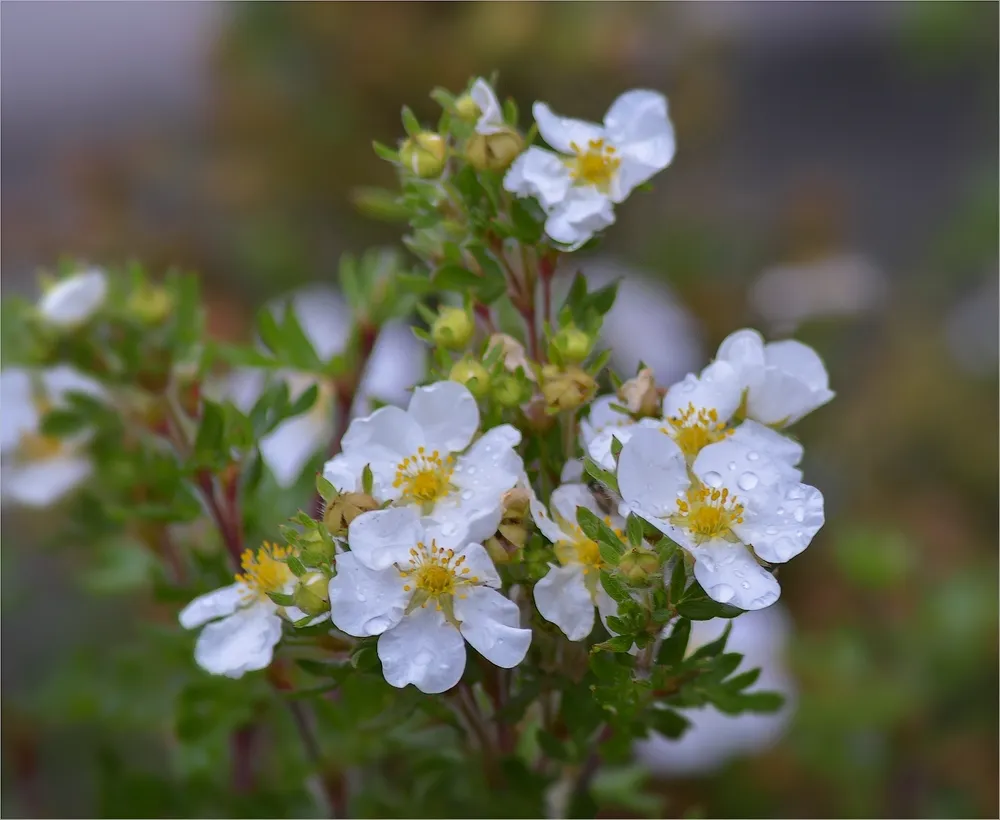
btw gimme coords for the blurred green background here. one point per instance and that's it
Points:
(836, 178)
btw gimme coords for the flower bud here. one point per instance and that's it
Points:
(510, 392)
(150, 304)
(425, 154)
(639, 566)
(473, 375)
(513, 354)
(538, 420)
(641, 395)
(467, 109)
(493, 152)
(452, 329)
(312, 595)
(566, 389)
(344, 508)
(571, 344)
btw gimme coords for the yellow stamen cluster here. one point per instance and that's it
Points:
(265, 571)
(594, 165)
(579, 549)
(708, 514)
(436, 572)
(424, 478)
(36, 447)
(693, 429)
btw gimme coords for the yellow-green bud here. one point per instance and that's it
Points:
(566, 389)
(425, 154)
(509, 392)
(452, 329)
(497, 550)
(312, 595)
(467, 109)
(493, 152)
(572, 344)
(344, 508)
(473, 375)
(639, 566)
(150, 303)
(513, 354)
(640, 395)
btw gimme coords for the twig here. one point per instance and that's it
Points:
(589, 768)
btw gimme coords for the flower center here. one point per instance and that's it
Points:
(434, 572)
(579, 549)
(694, 429)
(708, 514)
(36, 447)
(265, 571)
(594, 165)
(424, 478)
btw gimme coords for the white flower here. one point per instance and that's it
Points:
(37, 470)
(571, 589)
(424, 599)
(242, 624)
(596, 166)
(491, 119)
(73, 300)
(396, 363)
(603, 424)
(783, 380)
(734, 498)
(413, 457)
(713, 737)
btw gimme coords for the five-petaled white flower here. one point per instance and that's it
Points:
(732, 504)
(424, 598)
(571, 589)
(396, 363)
(37, 469)
(594, 166)
(783, 380)
(72, 301)
(491, 119)
(421, 456)
(242, 625)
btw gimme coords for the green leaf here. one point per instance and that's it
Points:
(325, 489)
(743, 680)
(713, 648)
(209, 442)
(305, 400)
(296, 566)
(633, 527)
(619, 643)
(367, 480)
(410, 122)
(615, 588)
(281, 599)
(668, 722)
(62, 423)
(616, 446)
(455, 277)
(673, 648)
(598, 473)
(595, 529)
(678, 580)
(762, 701)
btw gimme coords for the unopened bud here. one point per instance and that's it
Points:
(510, 392)
(493, 152)
(344, 508)
(640, 395)
(639, 566)
(473, 375)
(467, 109)
(312, 595)
(425, 154)
(513, 354)
(452, 329)
(566, 389)
(497, 548)
(571, 344)
(539, 421)
(516, 503)
(150, 304)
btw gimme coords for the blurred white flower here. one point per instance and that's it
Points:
(490, 113)
(593, 166)
(713, 737)
(970, 329)
(72, 301)
(424, 599)
(37, 469)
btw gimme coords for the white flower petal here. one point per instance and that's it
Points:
(342, 475)
(323, 315)
(783, 528)
(365, 602)
(572, 471)
(73, 300)
(239, 643)
(566, 499)
(651, 474)
(786, 452)
(212, 605)
(539, 173)
(744, 350)
(397, 362)
(794, 383)
(242, 387)
(41, 483)
(800, 361)
(549, 528)
(563, 132)
(491, 623)
(388, 433)
(479, 564)
(490, 113)
(63, 379)
(638, 124)
(601, 416)
(606, 605)
(730, 575)
(425, 650)
(582, 212)
(382, 538)
(448, 415)
(17, 411)
(600, 446)
(748, 472)
(717, 388)
(562, 598)
(288, 447)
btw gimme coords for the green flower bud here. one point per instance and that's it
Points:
(452, 329)
(312, 595)
(344, 508)
(639, 566)
(572, 345)
(566, 389)
(510, 392)
(493, 152)
(467, 109)
(473, 375)
(150, 304)
(425, 154)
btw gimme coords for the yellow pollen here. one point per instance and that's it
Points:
(708, 514)
(266, 571)
(36, 447)
(578, 549)
(694, 429)
(424, 478)
(436, 571)
(594, 165)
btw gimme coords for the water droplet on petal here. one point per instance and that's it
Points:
(712, 479)
(422, 658)
(799, 514)
(361, 596)
(771, 531)
(732, 465)
(753, 455)
(723, 593)
(378, 624)
(780, 511)
(466, 495)
(747, 481)
(472, 470)
(794, 493)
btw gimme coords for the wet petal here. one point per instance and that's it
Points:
(242, 642)
(491, 623)
(651, 473)
(583, 212)
(448, 415)
(423, 649)
(638, 124)
(365, 602)
(212, 605)
(382, 538)
(539, 173)
(41, 483)
(562, 598)
(730, 575)
(562, 133)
